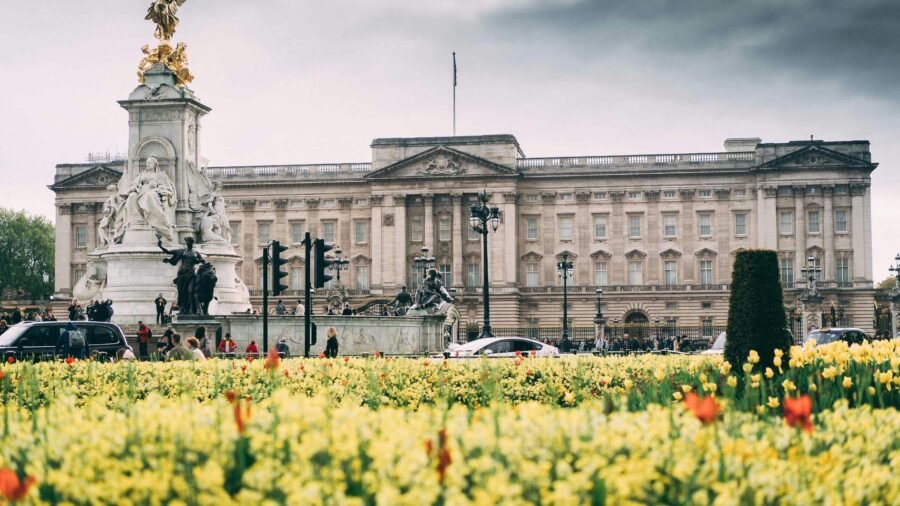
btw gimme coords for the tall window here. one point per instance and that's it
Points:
(415, 277)
(599, 227)
(840, 221)
(447, 272)
(670, 225)
(296, 278)
(532, 276)
(704, 224)
(635, 274)
(328, 231)
(817, 261)
(473, 275)
(78, 272)
(786, 222)
(531, 228)
(670, 269)
(80, 236)
(263, 232)
(740, 224)
(787, 272)
(362, 277)
(415, 229)
(296, 232)
(812, 222)
(473, 235)
(361, 232)
(444, 229)
(566, 228)
(235, 232)
(634, 227)
(706, 272)
(600, 277)
(843, 270)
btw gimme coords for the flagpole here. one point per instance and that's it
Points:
(454, 94)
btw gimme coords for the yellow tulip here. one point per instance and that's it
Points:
(732, 381)
(753, 357)
(773, 402)
(848, 382)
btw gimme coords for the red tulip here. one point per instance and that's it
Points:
(70, 360)
(797, 412)
(11, 487)
(706, 409)
(272, 360)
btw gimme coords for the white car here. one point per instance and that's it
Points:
(501, 347)
(718, 346)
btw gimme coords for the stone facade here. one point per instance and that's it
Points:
(656, 232)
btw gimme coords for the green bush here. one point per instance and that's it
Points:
(756, 319)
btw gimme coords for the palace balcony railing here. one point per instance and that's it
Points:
(289, 171)
(673, 159)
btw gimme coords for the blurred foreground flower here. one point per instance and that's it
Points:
(797, 412)
(11, 487)
(706, 409)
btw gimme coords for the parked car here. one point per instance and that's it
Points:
(38, 339)
(830, 335)
(718, 346)
(501, 347)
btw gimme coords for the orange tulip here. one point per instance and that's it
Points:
(272, 360)
(706, 409)
(797, 412)
(11, 487)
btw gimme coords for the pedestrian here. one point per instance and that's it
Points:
(160, 303)
(178, 351)
(72, 343)
(16, 316)
(73, 310)
(123, 355)
(194, 346)
(227, 346)
(252, 351)
(282, 348)
(200, 335)
(280, 309)
(346, 311)
(300, 310)
(331, 345)
(144, 336)
(165, 343)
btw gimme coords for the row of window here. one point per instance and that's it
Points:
(841, 270)
(634, 274)
(360, 278)
(566, 226)
(813, 222)
(631, 195)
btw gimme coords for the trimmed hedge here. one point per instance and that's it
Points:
(756, 319)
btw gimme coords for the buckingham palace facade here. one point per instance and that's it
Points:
(656, 232)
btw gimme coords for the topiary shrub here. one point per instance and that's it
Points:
(756, 319)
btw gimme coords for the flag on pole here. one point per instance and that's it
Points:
(454, 69)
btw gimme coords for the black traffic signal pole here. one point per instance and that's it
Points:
(265, 287)
(307, 295)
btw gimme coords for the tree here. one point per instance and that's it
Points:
(27, 252)
(756, 318)
(887, 283)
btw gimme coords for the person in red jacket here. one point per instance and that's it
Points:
(144, 335)
(252, 351)
(227, 346)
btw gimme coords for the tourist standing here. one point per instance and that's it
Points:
(252, 351)
(200, 335)
(178, 351)
(194, 346)
(282, 348)
(74, 309)
(331, 345)
(160, 303)
(72, 343)
(228, 346)
(280, 309)
(300, 310)
(346, 311)
(144, 336)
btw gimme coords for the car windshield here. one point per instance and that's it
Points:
(824, 337)
(10, 336)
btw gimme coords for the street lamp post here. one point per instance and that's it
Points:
(339, 264)
(564, 267)
(481, 216)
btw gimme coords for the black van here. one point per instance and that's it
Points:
(38, 340)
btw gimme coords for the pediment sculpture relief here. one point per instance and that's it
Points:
(443, 165)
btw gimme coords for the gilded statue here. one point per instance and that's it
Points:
(176, 60)
(162, 12)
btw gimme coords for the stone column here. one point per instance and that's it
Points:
(280, 227)
(63, 253)
(428, 226)
(345, 231)
(722, 235)
(510, 236)
(858, 230)
(617, 270)
(496, 246)
(584, 236)
(399, 240)
(548, 237)
(652, 233)
(688, 236)
(800, 226)
(92, 208)
(767, 218)
(867, 232)
(377, 240)
(459, 224)
(248, 242)
(828, 271)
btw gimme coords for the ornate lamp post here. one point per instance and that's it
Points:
(811, 272)
(481, 216)
(895, 296)
(340, 263)
(564, 267)
(896, 268)
(424, 261)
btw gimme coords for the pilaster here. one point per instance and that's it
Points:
(62, 260)
(460, 222)
(399, 278)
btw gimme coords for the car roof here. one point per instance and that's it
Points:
(837, 329)
(484, 341)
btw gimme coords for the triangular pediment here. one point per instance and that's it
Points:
(99, 176)
(441, 162)
(815, 156)
(531, 256)
(670, 253)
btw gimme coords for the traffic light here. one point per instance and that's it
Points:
(277, 273)
(322, 263)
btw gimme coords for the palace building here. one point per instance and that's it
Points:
(656, 232)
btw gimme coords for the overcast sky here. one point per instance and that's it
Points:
(295, 81)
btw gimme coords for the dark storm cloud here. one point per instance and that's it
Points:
(854, 43)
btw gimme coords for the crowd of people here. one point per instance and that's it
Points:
(19, 315)
(628, 343)
(95, 310)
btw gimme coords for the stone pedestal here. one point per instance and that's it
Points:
(811, 307)
(187, 325)
(357, 335)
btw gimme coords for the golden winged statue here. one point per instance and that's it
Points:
(162, 12)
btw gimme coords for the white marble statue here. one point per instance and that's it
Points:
(151, 198)
(112, 225)
(211, 230)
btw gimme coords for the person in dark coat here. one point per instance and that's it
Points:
(331, 345)
(65, 346)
